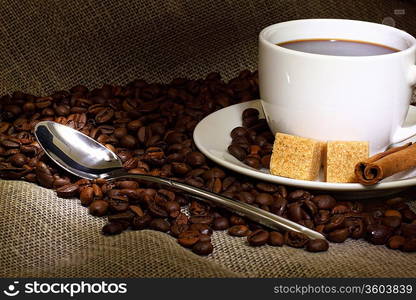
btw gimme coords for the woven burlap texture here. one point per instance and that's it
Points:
(52, 45)
(43, 235)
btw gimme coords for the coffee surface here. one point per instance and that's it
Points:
(338, 47)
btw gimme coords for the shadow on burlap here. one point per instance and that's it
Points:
(47, 46)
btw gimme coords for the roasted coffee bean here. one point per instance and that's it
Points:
(181, 219)
(172, 208)
(124, 194)
(392, 221)
(203, 248)
(241, 140)
(201, 220)
(393, 213)
(338, 235)
(317, 245)
(159, 225)
(69, 190)
(320, 228)
(310, 207)
(125, 217)
(249, 112)
(195, 181)
(276, 239)
(378, 234)
(62, 110)
(238, 131)
(86, 195)
(279, 206)
(44, 175)
(249, 121)
(128, 141)
(120, 132)
(237, 151)
(355, 227)
(340, 209)
(118, 204)
(104, 115)
(335, 222)
(176, 229)
(195, 159)
(83, 182)
(137, 210)
(396, 242)
(258, 237)
(295, 212)
(295, 239)
(180, 168)
(394, 201)
(157, 210)
(142, 222)
(253, 162)
(188, 238)
(18, 159)
(214, 185)
(205, 238)
(10, 143)
(220, 223)
(265, 161)
(98, 208)
(201, 228)
(239, 230)
(127, 184)
(246, 197)
(61, 181)
(237, 220)
(197, 208)
(324, 201)
(213, 173)
(298, 195)
(264, 199)
(112, 228)
(98, 193)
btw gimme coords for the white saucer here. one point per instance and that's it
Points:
(212, 137)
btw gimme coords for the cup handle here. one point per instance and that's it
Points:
(406, 132)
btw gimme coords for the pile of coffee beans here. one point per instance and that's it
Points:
(252, 143)
(391, 223)
(149, 126)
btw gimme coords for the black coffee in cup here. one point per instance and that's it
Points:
(338, 47)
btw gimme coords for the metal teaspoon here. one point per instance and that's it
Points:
(84, 157)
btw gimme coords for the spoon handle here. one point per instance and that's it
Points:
(243, 209)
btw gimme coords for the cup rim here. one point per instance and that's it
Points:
(404, 34)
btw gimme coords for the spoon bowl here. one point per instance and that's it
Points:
(76, 152)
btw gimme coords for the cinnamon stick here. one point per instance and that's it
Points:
(385, 164)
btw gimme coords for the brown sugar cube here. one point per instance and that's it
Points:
(296, 157)
(341, 158)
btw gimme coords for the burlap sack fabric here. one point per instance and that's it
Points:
(46, 46)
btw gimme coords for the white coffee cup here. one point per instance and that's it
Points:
(347, 98)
